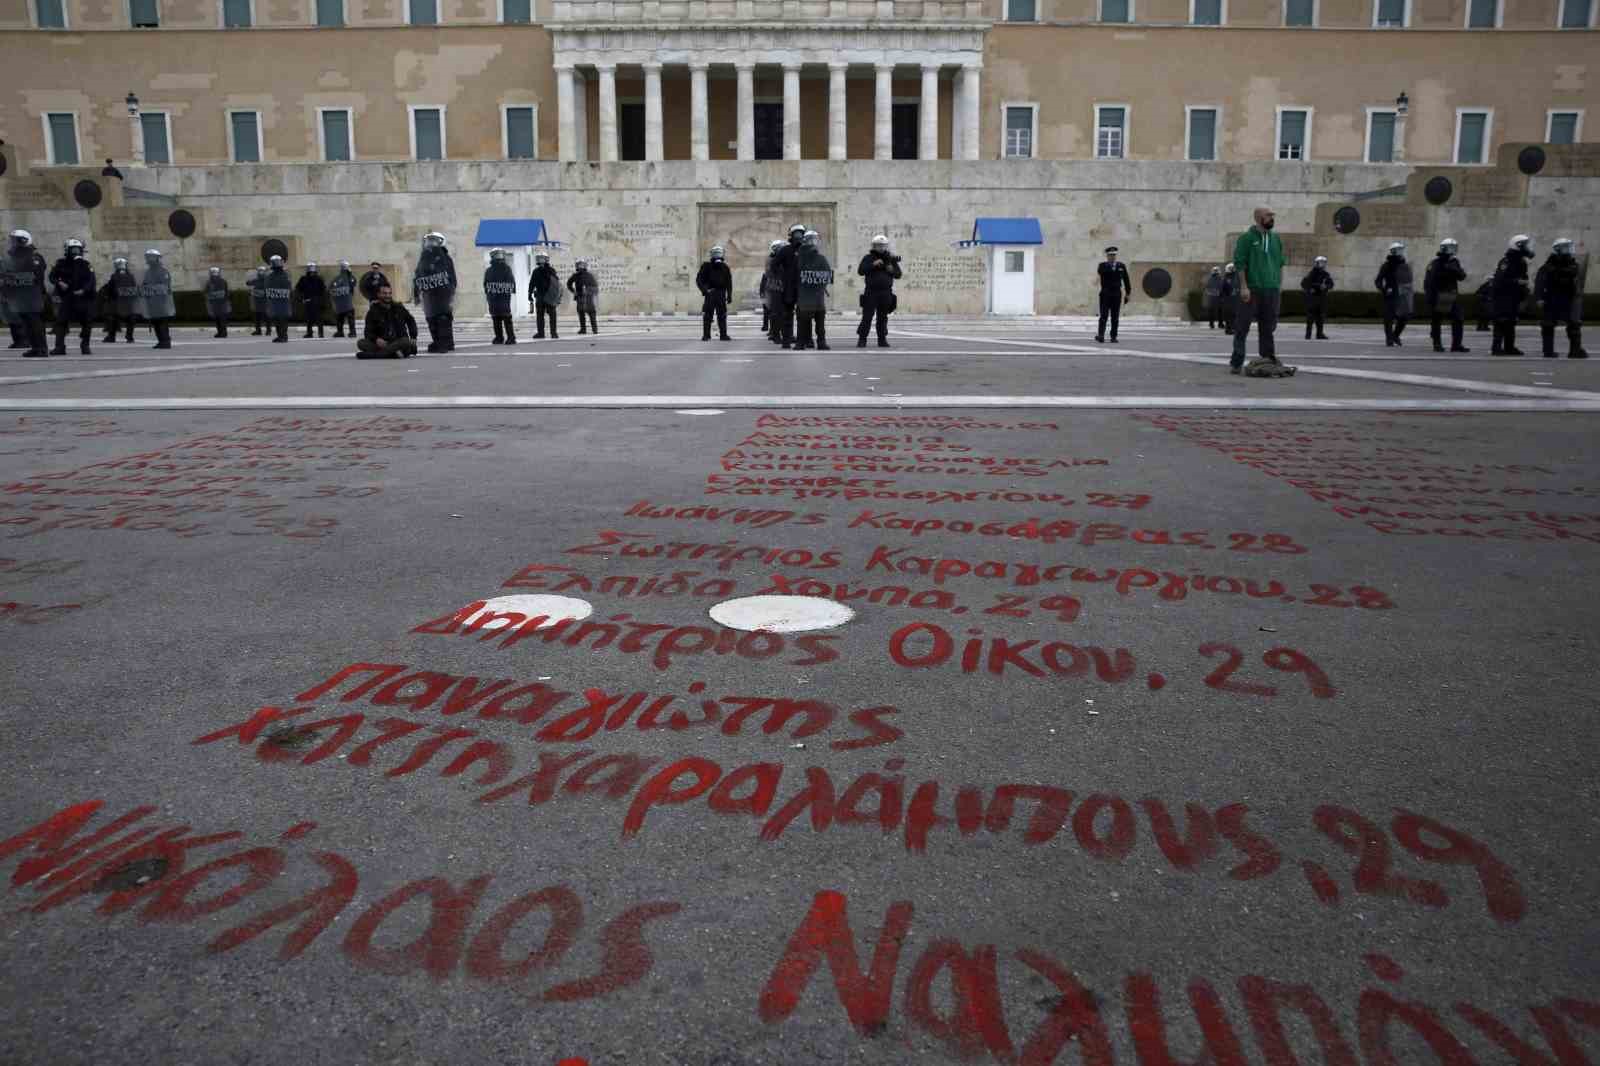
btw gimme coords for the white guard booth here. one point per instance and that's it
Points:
(1008, 246)
(521, 238)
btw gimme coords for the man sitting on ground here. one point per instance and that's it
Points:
(391, 332)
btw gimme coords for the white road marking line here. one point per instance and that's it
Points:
(133, 371)
(1263, 403)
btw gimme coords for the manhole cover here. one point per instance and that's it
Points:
(1157, 283)
(1438, 190)
(1531, 159)
(87, 193)
(272, 247)
(181, 223)
(132, 875)
(1347, 220)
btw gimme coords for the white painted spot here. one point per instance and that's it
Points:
(781, 614)
(738, 360)
(699, 411)
(554, 609)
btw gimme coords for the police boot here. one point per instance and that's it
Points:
(861, 340)
(128, 337)
(1548, 335)
(511, 332)
(83, 346)
(16, 338)
(1575, 342)
(60, 348)
(109, 338)
(499, 331)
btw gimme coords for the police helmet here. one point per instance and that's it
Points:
(120, 261)
(344, 264)
(582, 264)
(811, 239)
(541, 257)
(1216, 270)
(797, 228)
(216, 272)
(433, 240)
(311, 268)
(276, 260)
(1562, 246)
(496, 254)
(151, 253)
(1397, 248)
(1520, 241)
(1449, 244)
(1228, 268)
(718, 253)
(72, 243)
(881, 241)
(1320, 260)
(774, 246)
(22, 237)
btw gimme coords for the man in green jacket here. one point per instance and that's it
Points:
(1259, 255)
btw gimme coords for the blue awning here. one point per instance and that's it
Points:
(1006, 231)
(512, 233)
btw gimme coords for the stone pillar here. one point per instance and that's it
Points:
(566, 121)
(699, 121)
(968, 118)
(747, 111)
(838, 117)
(1399, 155)
(883, 113)
(608, 112)
(958, 96)
(928, 115)
(791, 111)
(653, 149)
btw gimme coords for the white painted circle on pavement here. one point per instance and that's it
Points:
(700, 411)
(554, 608)
(781, 614)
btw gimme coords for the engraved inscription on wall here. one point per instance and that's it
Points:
(943, 273)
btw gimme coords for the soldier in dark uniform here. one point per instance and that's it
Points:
(72, 282)
(880, 268)
(1395, 282)
(22, 288)
(1116, 289)
(787, 266)
(544, 295)
(499, 287)
(1510, 289)
(258, 301)
(279, 292)
(1441, 287)
(1316, 285)
(433, 285)
(585, 291)
(1559, 290)
(218, 305)
(715, 282)
(155, 288)
(811, 305)
(313, 293)
(121, 298)
(342, 291)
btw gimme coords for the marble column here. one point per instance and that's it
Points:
(969, 112)
(883, 112)
(699, 122)
(791, 111)
(567, 127)
(747, 111)
(608, 112)
(653, 148)
(928, 115)
(838, 116)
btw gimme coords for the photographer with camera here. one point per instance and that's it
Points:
(880, 268)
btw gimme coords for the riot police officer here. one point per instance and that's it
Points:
(499, 286)
(217, 301)
(1395, 282)
(72, 282)
(313, 293)
(258, 301)
(1559, 292)
(1116, 289)
(544, 295)
(434, 286)
(342, 290)
(811, 303)
(22, 286)
(1316, 285)
(787, 265)
(279, 292)
(1510, 290)
(121, 298)
(585, 293)
(715, 282)
(1441, 287)
(155, 288)
(880, 268)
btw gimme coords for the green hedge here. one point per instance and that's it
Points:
(1369, 305)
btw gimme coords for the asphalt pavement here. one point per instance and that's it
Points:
(997, 696)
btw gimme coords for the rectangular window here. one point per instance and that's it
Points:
(516, 11)
(1205, 12)
(1292, 128)
(330, 12)
(336, 146)
(1300, 12)
(1472, 136)
(63, 142)
(1110, 132)
(1575, 14)
(51, 14)
(157, 145)
(424, 12)
(1203, 134)
(144, 14)
(1389, 13)
(427, 133)
(1483, 14)
(1016, 262)
(1380, 136)
(1019, 131)
(520, 139)
(1022, 11)
(246, 136)
(236, 14)
(1564, 126)
(1116, 10)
